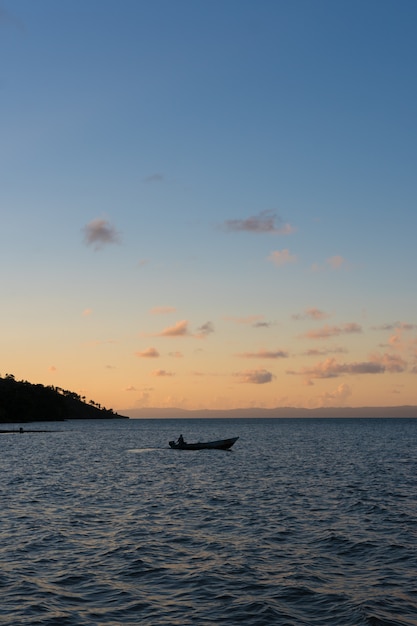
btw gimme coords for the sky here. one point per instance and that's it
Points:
(210, 204)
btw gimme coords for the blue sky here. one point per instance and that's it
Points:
(232, 166)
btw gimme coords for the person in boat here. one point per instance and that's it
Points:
(181, 440)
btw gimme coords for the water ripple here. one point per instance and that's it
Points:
(315, 524)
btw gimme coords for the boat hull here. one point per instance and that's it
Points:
(221, 444)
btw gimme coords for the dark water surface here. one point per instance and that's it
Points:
(304, 522)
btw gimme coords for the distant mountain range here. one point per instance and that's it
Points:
(280, 412)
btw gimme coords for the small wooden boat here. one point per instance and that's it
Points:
(221, 444)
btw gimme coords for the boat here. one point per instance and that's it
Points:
(220, 444)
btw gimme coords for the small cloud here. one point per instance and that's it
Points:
(52, 368)
(333, 263)
(162, 310)
(87, 312)
(337, 397)
(162, 373)
(154, 178)
(282, 257)
(332, 331)
(264, 222)
(330, 368)
(130, 388)
(265, 354)
(176, 355)
(205, 330)
(256, 377)
(325, 351)
(252, 320)
(100, 232)
(180, 329)
(313, 314)
(149, 353)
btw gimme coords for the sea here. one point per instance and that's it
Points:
(304, 522)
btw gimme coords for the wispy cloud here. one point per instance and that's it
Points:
(154, 178)
(205, 330)
(256, 377)
(176, 355)
(250, 320)
(337, 397)
(162, 310)
(180, 329)
(332, 331)
(149, 353)
(264, 222)
(332, 263)
(313, 314)
(395, 326)
(325, 351)
(265, 354)
(330, 368)
(87, 312)
(162, 373)
(100, 232)
(282, 257)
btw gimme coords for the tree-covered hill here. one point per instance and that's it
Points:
(21, 401)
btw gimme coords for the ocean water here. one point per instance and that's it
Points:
(305, 522)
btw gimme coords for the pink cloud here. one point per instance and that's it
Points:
(330, 368)
(257, 377)
(337, 397)
(265, 354)
(264, 222)
(162, 373)
(332, 331)
(150, 352)
(180, 329)
(282, 257)
(313, 313)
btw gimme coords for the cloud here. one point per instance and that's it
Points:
(264, 222)
(154, 178)
(162, 373)
(99, 233)
(52, 368)
(337, 397)
(334, 263)
(265, 354)
(392, 363)
(395, 326)
(162, 310)
(130, 388)
(313, 314)
(324, 352)
(176, 355)
(377, 364)
(205, 330)
(180, 329)
(332, 331)
(149, 353)
(282, 257)
(256, 377)
(87, 312)
(253, 320)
